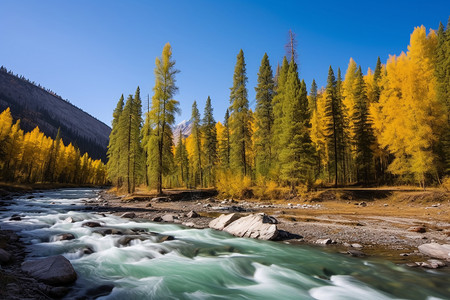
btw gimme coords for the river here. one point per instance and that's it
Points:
(201, 263)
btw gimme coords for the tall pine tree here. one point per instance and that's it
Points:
(210, 143)
(264, 118)
(197, 157)
(296, 156)
(362, 129)
(113, 153)
(240, 139)
(162, 117)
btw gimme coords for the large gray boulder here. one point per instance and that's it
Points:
(257, 226)
(54, 270)
(436, 250)
(223, 221)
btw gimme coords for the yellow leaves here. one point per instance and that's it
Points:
(28, 156)
(407, 117)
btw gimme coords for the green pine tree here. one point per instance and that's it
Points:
(296, 156)
(264, 118)
(364, 137)
(376, 81)
(277, 106)
(197, 169)
(182, 161)
(240, 139)
(224, 145)
(210, 144)
(332, 116)
(162, 117)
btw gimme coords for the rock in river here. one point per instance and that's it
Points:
(256, 226)
(436, 250)
(91, 224)
(222, 221)
(54, 270)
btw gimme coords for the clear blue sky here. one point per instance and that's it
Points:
(91, 52)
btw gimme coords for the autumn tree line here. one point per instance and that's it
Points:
(32, 157)
(389, 126)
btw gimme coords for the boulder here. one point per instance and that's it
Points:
(166, 238)
(64, 237)
(169, 218)
(253, 226)
(192, 214)
(189, 224)
(5, 256)
(436, 250)
(324, 241)
(128, 215)
(15, 218)
(356, 245)
(69, 220)
(223, 221)
(53, 270)
(161, 199)
(91, 224)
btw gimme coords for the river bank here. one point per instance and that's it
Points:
(389, 224)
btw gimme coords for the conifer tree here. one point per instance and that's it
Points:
(240, 139)
(113, 152)
(162, 117)
(146, 133)
(332, 124)
(136, 151)
(264, 118)
(277, 106)
(182, 161)
(296, 156)
(362, 129)
(224, 143)
(313, 96)
(376, 81)
(197, 153)
(210, 143)
(442, 74)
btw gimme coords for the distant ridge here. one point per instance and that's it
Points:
(37, 106)
(185, 127)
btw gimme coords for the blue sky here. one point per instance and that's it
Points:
(90, 52)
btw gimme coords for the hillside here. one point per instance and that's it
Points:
(35, 106)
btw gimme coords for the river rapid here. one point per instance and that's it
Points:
(142, 263)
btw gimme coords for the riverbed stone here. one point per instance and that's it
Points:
(169, 218)
(129, 215)
(253, 226)
(69, 220)
(192, 214)
(53, 270)
(64, 237)
(436, 250)
(91, 224)
(5, 256)
(324, 241)
(432, 264)
(419, 229)
(223, 221)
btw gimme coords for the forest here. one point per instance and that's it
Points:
(32, 157)
(388, 126)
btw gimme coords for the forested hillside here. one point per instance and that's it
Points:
(390, 125)
(32, 157)
(37, 106)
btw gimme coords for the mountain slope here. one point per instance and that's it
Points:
(35, 106)
(185, 127)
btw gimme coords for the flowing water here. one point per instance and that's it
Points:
(201, 264)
